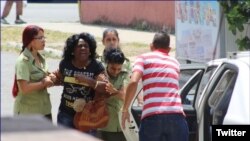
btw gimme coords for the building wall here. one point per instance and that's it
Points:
(160, 13)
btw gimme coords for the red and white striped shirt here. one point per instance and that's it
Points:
(160, 79)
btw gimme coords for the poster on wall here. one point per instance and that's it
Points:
(197, 25)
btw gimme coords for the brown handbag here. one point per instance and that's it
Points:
(93, 116)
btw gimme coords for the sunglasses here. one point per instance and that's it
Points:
(40, 38)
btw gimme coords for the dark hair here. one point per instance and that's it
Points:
(106, 31)
(29, 33)
(114, 56)
(161, 40)
(72, 41)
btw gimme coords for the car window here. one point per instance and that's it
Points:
(220, 97)
(204, 81)
(185, 75)
(189, 90)
(190, 95)
(207, 75)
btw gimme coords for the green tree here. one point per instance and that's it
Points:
(237, 13)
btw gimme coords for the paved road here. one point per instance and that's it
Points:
(49, 12)
(7, 75)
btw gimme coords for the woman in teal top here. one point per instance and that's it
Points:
(32, 75)
(118, 78)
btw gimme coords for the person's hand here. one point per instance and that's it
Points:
(102, 77)
(58, 76)
(79, 104)
(53, 77)
(125, 117)
(111, 89)
(81, 78)
(47, 82)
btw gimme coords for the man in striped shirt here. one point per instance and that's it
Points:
(162, 118)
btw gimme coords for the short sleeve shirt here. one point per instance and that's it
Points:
(160, 79)
(72, 89)
(38, 101)
(115, 104)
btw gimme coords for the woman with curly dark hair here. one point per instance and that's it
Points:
(78, 72)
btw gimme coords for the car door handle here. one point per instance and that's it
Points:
(132, 127)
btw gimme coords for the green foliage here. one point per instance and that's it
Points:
(238, 14)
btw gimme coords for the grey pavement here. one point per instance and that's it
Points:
(46, 12)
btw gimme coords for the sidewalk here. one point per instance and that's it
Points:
(126, 35)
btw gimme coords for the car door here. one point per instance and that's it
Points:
(215, 100)
(188, 92)
(214, 105)
(132, 128)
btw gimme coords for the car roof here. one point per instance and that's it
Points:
(193, 66)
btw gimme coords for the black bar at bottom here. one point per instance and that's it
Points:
(221, 132)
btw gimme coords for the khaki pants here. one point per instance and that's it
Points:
(8, 5)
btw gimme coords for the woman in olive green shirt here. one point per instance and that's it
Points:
(32, 76)
(118, 78)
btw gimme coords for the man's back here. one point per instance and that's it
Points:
(160, 75)
(162, 115)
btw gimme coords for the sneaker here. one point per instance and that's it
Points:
(20, 21)
(3, 21)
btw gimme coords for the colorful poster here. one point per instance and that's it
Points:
(197, 25)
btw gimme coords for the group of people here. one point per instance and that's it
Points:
(79, 72)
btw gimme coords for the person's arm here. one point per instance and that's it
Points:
(130, 93)
(56, 77)
(140, 99)
(27, 87)
(22, 71)
(98, 85)
(117, 93)
(121, 94)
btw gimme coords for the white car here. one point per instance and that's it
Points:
(204, 91)
(225, 100)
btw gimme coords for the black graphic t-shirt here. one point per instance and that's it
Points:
(72, 89)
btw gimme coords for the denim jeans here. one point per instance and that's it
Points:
(66, 120)
(164, 127)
